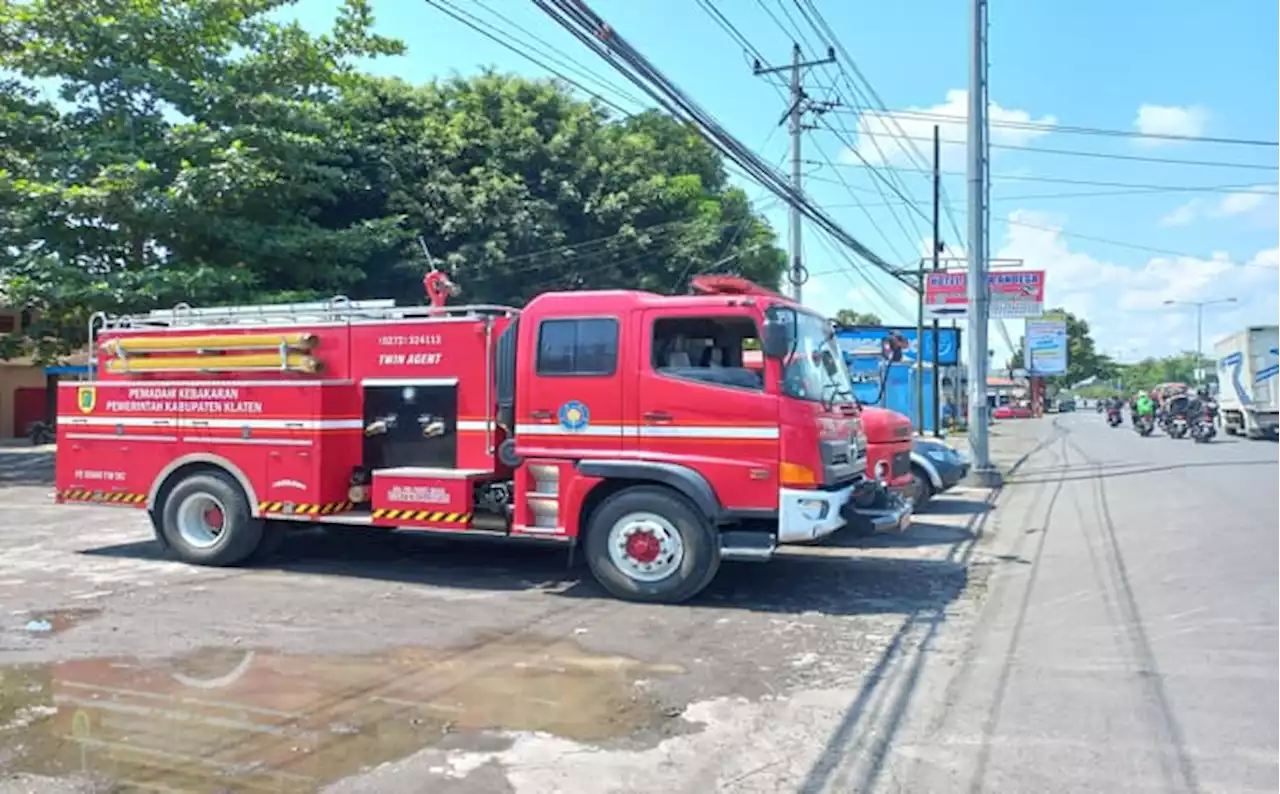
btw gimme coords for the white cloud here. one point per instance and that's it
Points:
(1240, 203)
(1183, 215)
(1254, 202)
(876, 131)
(1269, 258)
(1170, 120)
(1125, 305)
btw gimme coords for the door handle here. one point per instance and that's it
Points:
(657, 416)
(541, 415)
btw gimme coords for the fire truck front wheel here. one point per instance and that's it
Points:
(648, 543)
(206, 520)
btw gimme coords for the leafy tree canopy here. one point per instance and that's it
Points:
(851, 317)
(203, 151)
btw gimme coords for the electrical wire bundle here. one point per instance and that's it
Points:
(576, 17)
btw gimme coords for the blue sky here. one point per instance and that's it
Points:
(1199, 69)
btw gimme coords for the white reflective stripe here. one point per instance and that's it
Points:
(260, 424)
(117, 437)
(557, 430)
(112, 421)
(261, 441)
(276, 424)
(409, 382)
(172, 384)
(474, 424)
(683, 431)
(654, 431)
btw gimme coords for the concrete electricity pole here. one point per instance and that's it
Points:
(937, 249)
(1200, 373)
(979, 295)
(800, 105)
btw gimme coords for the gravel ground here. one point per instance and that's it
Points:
(359, 662)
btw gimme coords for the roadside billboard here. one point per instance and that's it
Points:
(864, 341)
(1014, 293)
(1045, 345)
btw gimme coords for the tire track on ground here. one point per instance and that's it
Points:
(881, 704)
(1181, 775)
(992, 721)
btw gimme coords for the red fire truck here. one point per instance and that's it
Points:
(622, 420)
(888, 441)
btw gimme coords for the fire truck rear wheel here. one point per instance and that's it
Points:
(206, 520)
(648, 543)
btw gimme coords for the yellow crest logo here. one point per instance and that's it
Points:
(86, 399)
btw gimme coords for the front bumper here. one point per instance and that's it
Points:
(809, 515)
(888, 511)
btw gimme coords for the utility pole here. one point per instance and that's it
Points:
(937, 249)
(800, 105)
(979, 296)
(1199, 306)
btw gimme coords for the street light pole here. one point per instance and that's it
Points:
(1200, 374)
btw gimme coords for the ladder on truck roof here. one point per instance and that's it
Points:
(338, 309)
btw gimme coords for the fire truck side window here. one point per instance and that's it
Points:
(705, 349)
(587, 346)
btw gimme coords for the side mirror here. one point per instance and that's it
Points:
(891, 348)
(775, 340)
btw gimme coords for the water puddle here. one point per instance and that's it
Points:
(224, 720)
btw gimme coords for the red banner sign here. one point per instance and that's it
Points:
(1013, 293)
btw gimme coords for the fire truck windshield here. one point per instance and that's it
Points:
(815, 369)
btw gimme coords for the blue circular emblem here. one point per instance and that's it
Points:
(574, 415)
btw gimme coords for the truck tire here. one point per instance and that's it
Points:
(648, 543)
(206, 520)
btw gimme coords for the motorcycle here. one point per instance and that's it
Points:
(40, 433)
(1114, 418)
(1204, 428)
(1178, 426)
(1143, 425)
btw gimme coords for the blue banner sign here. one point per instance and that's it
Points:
(1045, 343)
(863, 341)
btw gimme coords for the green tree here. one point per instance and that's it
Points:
(1150, 372)
(517, 187)
(201, 151)
(186, 137)
(1083, 359)
(852, 317)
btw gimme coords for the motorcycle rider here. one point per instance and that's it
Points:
(1115, 406)
(1143, 406)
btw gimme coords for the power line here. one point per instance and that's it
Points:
(863, 207)
(1036, 196)
(497, 38)
(577, 17)
(814, 16)
(1132, 246)
(720, 19)
(1101, 155)
(1093, 183)
(1039, 126)
(563, 57)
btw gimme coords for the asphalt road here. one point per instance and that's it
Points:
(1130, 644)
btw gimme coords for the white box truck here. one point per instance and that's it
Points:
(1247, 369)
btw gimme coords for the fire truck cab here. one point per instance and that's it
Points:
(620, 421)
